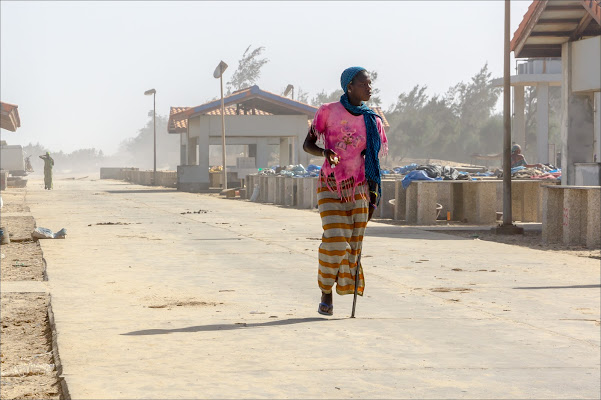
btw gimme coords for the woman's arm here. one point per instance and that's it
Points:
(310, 146)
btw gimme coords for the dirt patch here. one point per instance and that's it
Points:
(445, 289)
(27, 368)
(22, 262)
(27, 363)
(14, 200)
(22, 257)
(531, 239)
(167, 303)
(19, 228)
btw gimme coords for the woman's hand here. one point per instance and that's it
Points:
(373, 198)
(332, 157)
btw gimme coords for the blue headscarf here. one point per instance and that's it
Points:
(373, 142)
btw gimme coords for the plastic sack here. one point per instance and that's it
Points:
(255, 194)
(45, 233)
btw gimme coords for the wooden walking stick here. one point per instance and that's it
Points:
(356, 285)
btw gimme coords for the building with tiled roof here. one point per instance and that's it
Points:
(254, 118)
(570, 29)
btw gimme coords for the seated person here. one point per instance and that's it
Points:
(518, 159)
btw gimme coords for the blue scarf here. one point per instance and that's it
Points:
(373, 143)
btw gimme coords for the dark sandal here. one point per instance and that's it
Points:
(329, 307)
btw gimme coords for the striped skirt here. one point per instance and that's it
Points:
(343, 227)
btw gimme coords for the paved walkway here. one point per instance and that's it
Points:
(167, 303)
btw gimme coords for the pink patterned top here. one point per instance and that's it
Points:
(344, 133)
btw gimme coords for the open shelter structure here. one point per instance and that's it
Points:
(569, 30)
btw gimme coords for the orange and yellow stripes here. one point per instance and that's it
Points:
(344, 224)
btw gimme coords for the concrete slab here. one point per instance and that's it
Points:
(223, 305)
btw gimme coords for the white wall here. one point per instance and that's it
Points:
(256, 125)
(586, 65)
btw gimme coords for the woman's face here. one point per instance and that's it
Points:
(360, 87)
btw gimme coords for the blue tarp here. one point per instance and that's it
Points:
(405, 169)
(420, 175)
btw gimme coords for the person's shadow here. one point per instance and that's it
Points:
(229, 327)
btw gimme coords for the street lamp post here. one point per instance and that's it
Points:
(154, 123)
(289, 88)
(219, 74)
(507, 226)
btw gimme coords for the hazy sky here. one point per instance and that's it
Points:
(78, 70)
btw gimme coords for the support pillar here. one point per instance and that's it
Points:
(519, 120)
(542, 123)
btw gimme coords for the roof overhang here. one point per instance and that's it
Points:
(250, 98)
(10, 117)
(251, 101)
(548, 24)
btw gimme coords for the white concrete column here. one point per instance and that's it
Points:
(577, 123)
(542, 123)
(519, 120)
(262, 153)
(285, 151)
(597, 128)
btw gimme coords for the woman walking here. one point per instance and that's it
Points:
(48, 164)
(349, 191)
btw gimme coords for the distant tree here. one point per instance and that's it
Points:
(138, 151)
(449, 127)
(324, 97)
(249, 70)
(375, 100)
(302, 96)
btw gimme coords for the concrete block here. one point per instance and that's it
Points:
(426, 203)
(110, 172)
(574, 225)
(411, 203)
(530, 201)
(289, 191)
(264, 188)
(456, 192)
(271, 182)
(552, 215)
(486, 202)
(3, 179)
(444, 197)
(248, 182)
(517, 201)
(400, 196)
(388, 192)
(469, 202)
(279, 190)
(305, 191)
(593, 218)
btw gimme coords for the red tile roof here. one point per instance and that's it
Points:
(548, 24)
(10, 119)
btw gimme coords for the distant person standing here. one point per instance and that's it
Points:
(518, 159)
(349, 182)
(48, 164)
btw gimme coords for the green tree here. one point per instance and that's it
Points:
(302, 96)
(325, 97)
(138, 151)
(375, 100)
(249, 70)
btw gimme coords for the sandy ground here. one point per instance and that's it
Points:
(532, 238)
(27, 364)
